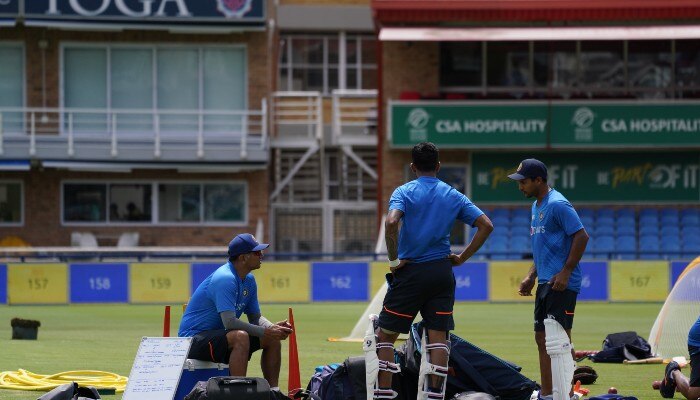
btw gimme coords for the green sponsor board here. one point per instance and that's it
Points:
(543, 124)
(589, 177)
(625, 124)
(460, 125)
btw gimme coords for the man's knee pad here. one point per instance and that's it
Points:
(559, 350)
(427, 369)
(373, 364)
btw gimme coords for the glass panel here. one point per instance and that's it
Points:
(130, 202)
(508, 64)
(10, 203)
(224, 88)
(332, 80)
(602, 66)
(85, 86)
(556, 66)
(369, 51)
(333, 49)
(11, 87)
(225, 202)
(178, 203)
(84, 202)
(307, 51)
(688, 68)
(351, 78)
(132, 88)
(178, 89)
(649, 66)
(284, 43)
(351, 50)
(460, 64)
(457, 178)
(369, 78)
(307, 79)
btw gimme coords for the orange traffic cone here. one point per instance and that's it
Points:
(294, 379)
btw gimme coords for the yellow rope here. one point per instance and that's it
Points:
(26, 380)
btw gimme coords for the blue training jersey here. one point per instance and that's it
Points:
(430, 208)
(694, 335)
(552, 228)
(223, 290)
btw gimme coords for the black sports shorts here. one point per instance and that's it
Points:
(213, 346)
(694, 365)
(558, 305)
(428, 288)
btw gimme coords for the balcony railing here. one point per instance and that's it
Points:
(134, 135)
(349, 115)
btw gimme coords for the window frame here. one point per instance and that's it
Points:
(343, 38)
(155, 203)
(21, 203)
(153, 47)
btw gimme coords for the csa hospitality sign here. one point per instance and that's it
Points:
(542, 124)
(460, 125)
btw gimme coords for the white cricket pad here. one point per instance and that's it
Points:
(373, 364)
(563, 365)
(427, 369)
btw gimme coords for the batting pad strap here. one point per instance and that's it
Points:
(389, 367)
(385, 345)
(438, 346)
(385, 394)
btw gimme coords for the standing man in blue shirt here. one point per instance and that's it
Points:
(213, 312)
(558, 242)
(421, 262)
(674, 378)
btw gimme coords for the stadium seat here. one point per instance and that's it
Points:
(521, 213)
(499, 213)
(603, 220)
(649, 213)
(520, 245)
(587, 222)
(669, 212)
(670, 246)
(604, 213)
(691, 248)
(690, 219)
(649, 247)
(603, 246)
(648, 220)
(625, 213)
(690, 212)
(519, 220)
(604, 230)
(626, 230)
(669, 219)
(500, 221)
(648, 230)
(690, 231)
(625, 220)
(626, 247)
(498, 249)
(669, 230)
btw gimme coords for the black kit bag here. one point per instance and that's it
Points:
(621, 346)
(71, 391)
(237, 388)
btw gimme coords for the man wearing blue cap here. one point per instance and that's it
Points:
(213, 312)
(558, 242)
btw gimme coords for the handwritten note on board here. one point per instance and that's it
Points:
(157, 368)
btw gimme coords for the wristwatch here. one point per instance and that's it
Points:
(394, 263)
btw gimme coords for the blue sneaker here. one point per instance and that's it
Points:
(668, 385)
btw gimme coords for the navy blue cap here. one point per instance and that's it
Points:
(530, 168)
(244, 243)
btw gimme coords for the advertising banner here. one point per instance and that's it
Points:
(593, 177)
(99, 283)
(505, 278)
(159, 282)
(200, 271)
(281, 282)
(181, 12)
(542, 124)
(625, 124)
(471, 279)
(339, 281)
(37, 283)
(3, 284)
(468, 126)
(638, 280)
(594, 281)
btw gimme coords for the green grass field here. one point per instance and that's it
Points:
(106, 337)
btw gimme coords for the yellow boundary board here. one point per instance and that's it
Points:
(159, 282)
(284, 282)
(41, 283)
(639, 280)
(505, 278)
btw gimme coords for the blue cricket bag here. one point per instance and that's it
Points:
(470, 369)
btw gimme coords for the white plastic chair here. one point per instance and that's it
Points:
(128, 239)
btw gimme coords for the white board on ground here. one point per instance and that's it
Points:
(157, 368)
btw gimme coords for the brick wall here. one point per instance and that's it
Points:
(42, 209)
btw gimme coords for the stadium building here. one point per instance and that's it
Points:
(604, 92)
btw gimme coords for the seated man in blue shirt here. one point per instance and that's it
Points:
(212, 315)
